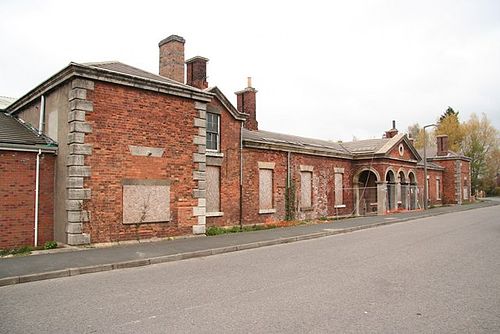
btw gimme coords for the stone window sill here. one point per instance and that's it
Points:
(215, 154)
(309, 208)
(340, 206)
(215, 214)
(264, 211)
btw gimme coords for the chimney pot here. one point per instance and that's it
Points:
(392, 132)
(172, 58)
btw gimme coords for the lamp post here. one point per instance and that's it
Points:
(426, 190)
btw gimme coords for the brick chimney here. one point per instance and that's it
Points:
(246, 104)
(197, 72)
(172, 58)
(392, 132)
(442, 145)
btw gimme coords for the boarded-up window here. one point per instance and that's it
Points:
(339, 189)
(146, 201)
(213, 189)
(466, 193)
(265, 189)
(438, 188)
(306, 189)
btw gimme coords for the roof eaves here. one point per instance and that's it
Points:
(262, 144)
(96, 73)
(228, 105)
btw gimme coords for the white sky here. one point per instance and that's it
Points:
(324, 69)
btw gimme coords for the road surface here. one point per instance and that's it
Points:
(432, 275)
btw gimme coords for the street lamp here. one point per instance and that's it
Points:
(426, 190)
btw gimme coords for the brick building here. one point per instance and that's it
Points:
(141, 156)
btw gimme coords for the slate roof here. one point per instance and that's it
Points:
(365, 146)
(116, 66)
(432, 154)
(5, 101)
(14, 131)
(295, 141)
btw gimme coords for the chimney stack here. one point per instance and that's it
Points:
(392, 132)
(172, 58)
(197, 72)
(246, 103)
(442, 145)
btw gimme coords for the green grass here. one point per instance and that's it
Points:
(215, 230)
(24, 250)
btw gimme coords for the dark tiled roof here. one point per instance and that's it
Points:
(14, 131)
(432, 153)
(289, 140)
(116, 66)
(365, 146)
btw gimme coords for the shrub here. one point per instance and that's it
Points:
(50, 245)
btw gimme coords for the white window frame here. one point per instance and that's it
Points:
(218, 132)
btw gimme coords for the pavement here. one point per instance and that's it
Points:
(22, 269)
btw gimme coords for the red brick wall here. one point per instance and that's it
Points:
(323, 185)
(466, 178)
(126, 116)
(17, 198)
(323, 197)
(433, 174)
(229, 170)
(407, 154)
(251, 158)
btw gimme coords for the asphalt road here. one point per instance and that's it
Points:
(433, 275)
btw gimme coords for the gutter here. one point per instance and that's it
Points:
(28, 148)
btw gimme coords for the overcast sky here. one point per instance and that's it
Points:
(323, 69)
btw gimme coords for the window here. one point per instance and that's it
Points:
(146, 201)
(428, 189)
(339, 188)
(306, 189)
(213, 129)
(265, 190)
(466, 193)
(213, 189)
(438, 188)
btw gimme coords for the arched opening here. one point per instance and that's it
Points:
(390, 179)
(366, 192)
(413, 190)
(403, 191)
